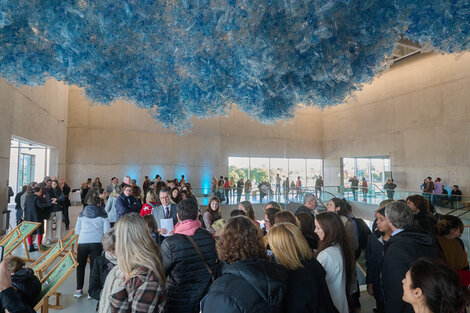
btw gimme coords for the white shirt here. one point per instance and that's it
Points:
(332, 261)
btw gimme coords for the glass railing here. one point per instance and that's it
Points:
(374, 195)
(254, 195)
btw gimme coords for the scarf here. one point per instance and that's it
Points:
(110, 258)
(113, 284)
(187, 227)
(93, 211)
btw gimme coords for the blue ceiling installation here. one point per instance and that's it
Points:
(180, 58)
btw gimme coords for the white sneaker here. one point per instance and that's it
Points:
(78, 294)
(89, 297)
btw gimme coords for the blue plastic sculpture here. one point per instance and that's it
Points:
(179, 58)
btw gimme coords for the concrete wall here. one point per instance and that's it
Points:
(37, 114)
(120, 139)
(418, 112)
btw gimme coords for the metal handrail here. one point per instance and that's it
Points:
(380, 189)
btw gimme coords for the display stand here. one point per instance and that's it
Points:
(70, 242)
(61, 248)
(53, 280)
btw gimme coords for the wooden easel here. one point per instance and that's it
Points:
(53, 280)
(17, 236)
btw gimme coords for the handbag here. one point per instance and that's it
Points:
(200, 254)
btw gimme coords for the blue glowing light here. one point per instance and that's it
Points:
(182, 58)
(133, 171)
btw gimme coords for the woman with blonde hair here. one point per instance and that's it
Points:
(307, 290)
(139, 259)
(151, 202)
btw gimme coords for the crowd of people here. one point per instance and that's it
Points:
(47, 203)
(436, 192)
(224, 188)
(155, 250)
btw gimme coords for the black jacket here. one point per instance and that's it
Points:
(55, 193)
(374, 253)
(399, 252)
(27, 286)
(312, 241)
(18, 200)
(187, 277)
(427, 222)
(66, 192)
(307, 290)
(9, 300)
(101, 268)
(34, 211)
(304, 209)
(126, 205)
(251, 285)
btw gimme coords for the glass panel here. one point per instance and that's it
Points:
(314, 170)
(297, 168)
(387, 165)
(238, 168)
(363, 169)
(278, 166)
(377, 171)
(21, 181)
(26, 169)
(259, 170)
(348, 170)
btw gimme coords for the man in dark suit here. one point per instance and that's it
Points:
(166, 210)
(406, 245)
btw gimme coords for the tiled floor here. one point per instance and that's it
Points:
(83, 305)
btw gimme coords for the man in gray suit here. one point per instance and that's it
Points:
(114, 187)
(166, 210)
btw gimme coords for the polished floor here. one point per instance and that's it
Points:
(83, 305)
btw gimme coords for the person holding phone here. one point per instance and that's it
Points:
(9, 300)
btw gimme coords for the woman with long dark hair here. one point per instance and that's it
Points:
(431, 287)
(335, 255)
(421, 209)
(211, 214)
(450, 228)
(374, 253)
(55, 197)
(175, 195)
(247, 207)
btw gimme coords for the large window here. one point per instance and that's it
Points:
(28, 162)
(278, 166)
(298, 168)
(373, 169)
(314, 170)
(266, 169)
(259, 170)
(238, 168)
(26, 169)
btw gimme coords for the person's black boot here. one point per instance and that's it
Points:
(32, 248)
